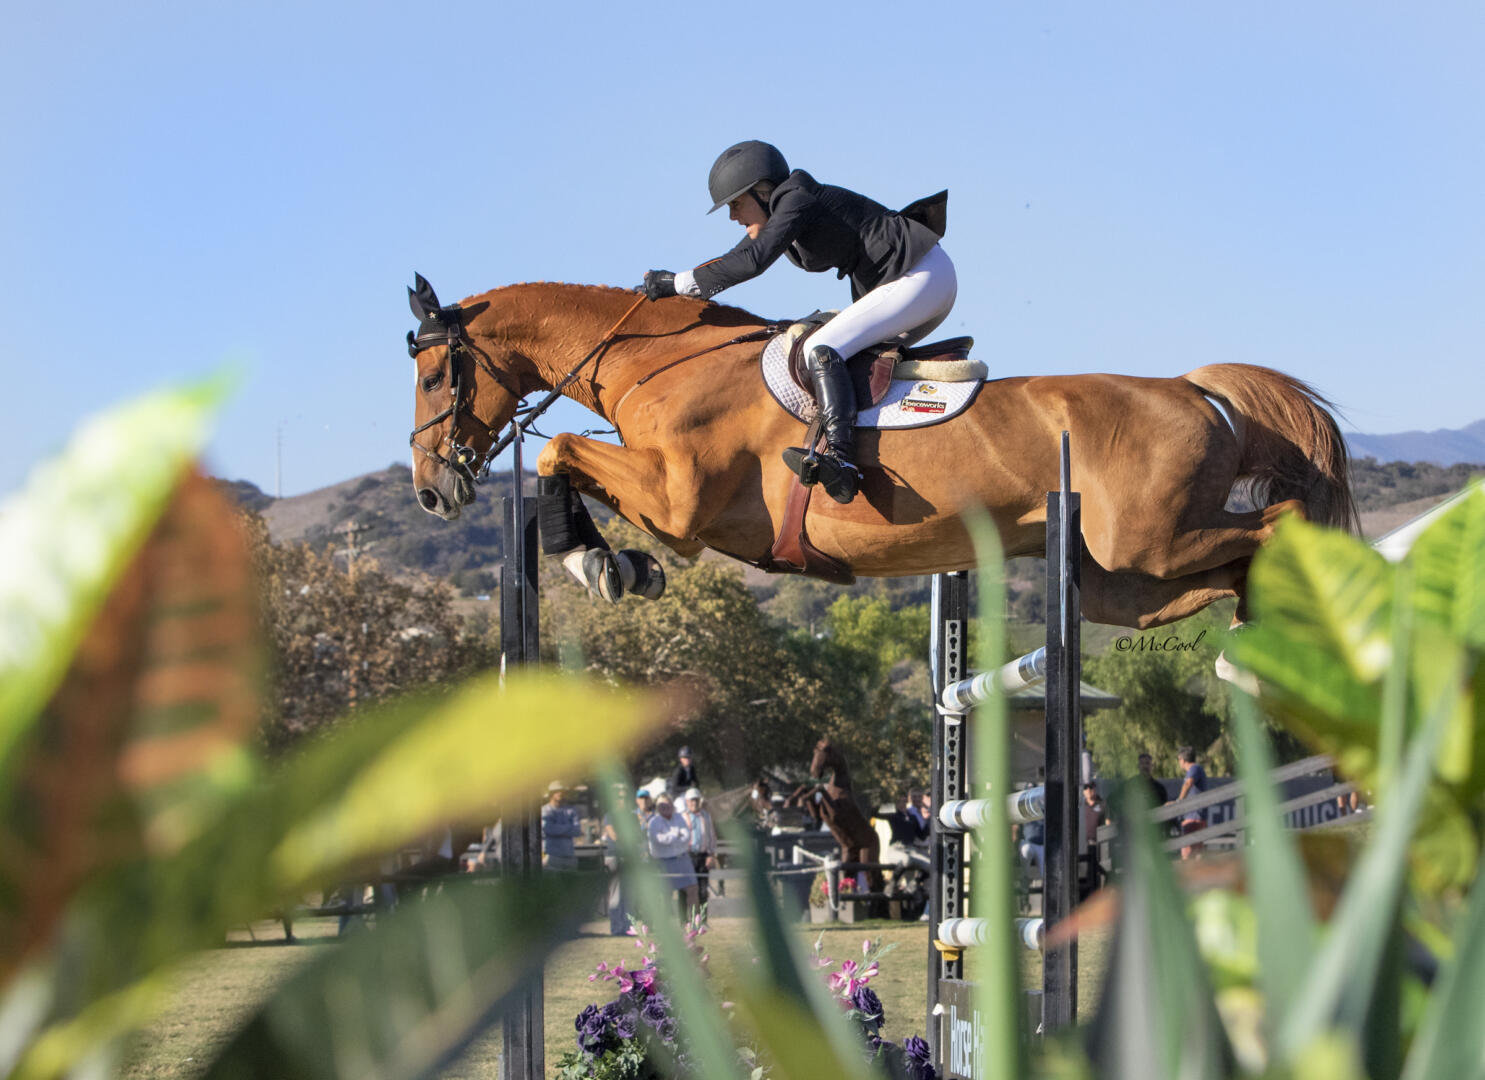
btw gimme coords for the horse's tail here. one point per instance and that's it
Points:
(1292, 446)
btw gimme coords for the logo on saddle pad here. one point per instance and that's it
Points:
(924, 397)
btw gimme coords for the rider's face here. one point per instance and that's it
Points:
(748, 212)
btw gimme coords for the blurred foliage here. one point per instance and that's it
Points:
(1325, 643)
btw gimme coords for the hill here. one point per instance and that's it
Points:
(1439, 447)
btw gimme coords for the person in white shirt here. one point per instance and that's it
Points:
(670, 846)
(703, 842)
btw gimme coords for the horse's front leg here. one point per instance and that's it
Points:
(631, 482)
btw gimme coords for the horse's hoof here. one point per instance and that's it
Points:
(641, 573)
(802, 464)
(601, 572)
(1227, 671)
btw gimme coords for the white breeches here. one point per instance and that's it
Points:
(905, 310)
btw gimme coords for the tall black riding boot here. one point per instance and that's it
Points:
(835, 468)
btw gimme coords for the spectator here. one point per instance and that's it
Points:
(559, 826)
(703, 842)
(909, 836)
(1156, 794)
(618, 917)
(684, 776)
(1195, 781)
(1093, 815)
(670, 846)
(644, 807)
(1031, 846)
(915, 808)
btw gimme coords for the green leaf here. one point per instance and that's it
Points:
(998, 996)
(1449, 563)
(1451, 1040)
(644, 887)
(66, 537)
(1276, 876)
(1341, 984)
(1157, 1015)
(1319, 641)
(401, 1002)
(402, 771)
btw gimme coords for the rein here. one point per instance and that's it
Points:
(520, 427)
(442, 327)
(753, 335)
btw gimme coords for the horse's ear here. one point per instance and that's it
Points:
(422, 299)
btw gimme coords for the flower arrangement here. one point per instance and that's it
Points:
(636, 1036)
(820, 889)
(627, 1038)
(848, 983)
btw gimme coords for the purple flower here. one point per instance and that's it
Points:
(919, 1060)
(655, 1011)
(865, 1001)
(625, 1025)
(667, 1030)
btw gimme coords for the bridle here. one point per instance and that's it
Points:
(443, 326)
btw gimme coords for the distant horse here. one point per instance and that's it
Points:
(1154, 459)
(833, 803)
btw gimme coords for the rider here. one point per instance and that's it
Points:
(902, 282)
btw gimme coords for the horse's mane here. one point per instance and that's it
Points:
(706, 310)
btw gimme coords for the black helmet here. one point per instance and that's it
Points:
(742, 166)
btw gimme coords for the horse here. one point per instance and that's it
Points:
(1156, 459)
(833, 803)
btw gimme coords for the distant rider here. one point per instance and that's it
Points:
(902, 282)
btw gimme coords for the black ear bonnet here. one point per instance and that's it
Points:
(437, 325)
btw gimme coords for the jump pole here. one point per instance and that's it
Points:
(523, 1056)
(1058, 664)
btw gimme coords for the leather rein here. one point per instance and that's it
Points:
(445, 328)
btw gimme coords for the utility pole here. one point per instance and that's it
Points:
(350, 530)
(278, 462)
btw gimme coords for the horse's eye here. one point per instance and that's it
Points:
(430, 383)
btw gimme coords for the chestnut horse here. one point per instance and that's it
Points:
(1154, 459)
(833, 803)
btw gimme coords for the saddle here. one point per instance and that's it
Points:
(873, 367)
(872, 371)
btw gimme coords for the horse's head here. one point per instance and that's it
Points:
(825, 757)
(463, 397)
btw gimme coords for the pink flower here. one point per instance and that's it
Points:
(866, 947)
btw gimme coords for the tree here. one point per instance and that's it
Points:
(342, 638)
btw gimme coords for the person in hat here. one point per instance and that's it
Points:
(902, 282)
(618, 918)
(685, 773)
(560, 825)
(703, 842)
(644, 807)
(669, 839)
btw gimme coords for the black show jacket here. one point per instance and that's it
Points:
(821, 227)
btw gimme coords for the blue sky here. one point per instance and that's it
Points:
(1134, 187)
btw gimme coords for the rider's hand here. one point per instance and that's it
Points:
(659, 284)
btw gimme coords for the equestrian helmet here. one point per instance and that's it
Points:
(740, 167)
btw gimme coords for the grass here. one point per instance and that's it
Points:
(217, 990)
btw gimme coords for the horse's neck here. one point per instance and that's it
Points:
(553, 327)
(840, 778)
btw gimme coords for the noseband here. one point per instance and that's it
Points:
(442, 326)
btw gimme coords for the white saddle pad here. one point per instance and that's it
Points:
(908, 403)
